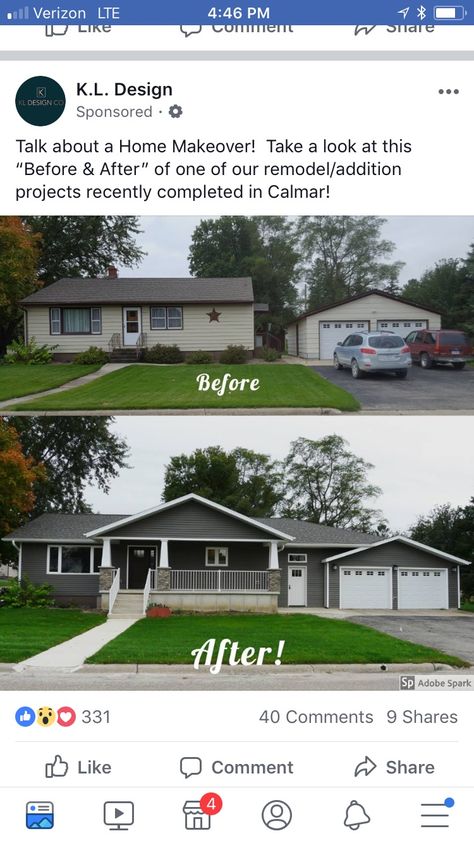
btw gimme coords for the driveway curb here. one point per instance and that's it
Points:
(170, 669)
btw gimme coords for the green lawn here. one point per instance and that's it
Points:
(25, 632)
(309, 640)
(20, 379)
(174, 387)
(467, 607)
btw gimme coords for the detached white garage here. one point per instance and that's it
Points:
(315, 334)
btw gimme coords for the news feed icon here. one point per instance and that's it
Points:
(19, 14)
(40, 101)
(39, 815)
(407, 683)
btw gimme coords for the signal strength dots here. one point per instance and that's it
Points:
(19, 14)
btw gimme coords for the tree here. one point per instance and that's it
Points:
(74, 451)
(76, 247)
(450, 529)
(18, 263)
(449, 288)
(242, 480)
(261, 247)
(344, 256)
(19, 475)
(327, 484)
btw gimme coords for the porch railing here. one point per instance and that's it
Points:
(114, 590)
(205, 580)
(115, 341)
(147, 589)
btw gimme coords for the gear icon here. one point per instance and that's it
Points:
(175, 111)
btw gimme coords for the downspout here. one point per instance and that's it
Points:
(19, 550)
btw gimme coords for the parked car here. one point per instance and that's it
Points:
(428, 348)
(378, 351)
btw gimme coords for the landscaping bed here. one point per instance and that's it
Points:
(309, 640)
(26, 632)
(140, 387)
(22, 379)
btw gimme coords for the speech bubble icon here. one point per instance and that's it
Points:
(190, 766)
(190, 30)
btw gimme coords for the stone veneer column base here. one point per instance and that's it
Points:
(106, 578)
(274, 580)
(163, 579)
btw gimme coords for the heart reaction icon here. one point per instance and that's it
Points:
(66, 716)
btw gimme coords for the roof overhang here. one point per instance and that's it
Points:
(132, 519)
(410, 542)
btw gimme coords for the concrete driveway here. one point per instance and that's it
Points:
(425, 390)
(453, 634)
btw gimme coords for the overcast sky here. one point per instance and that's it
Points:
(420, 242)
(419, 462)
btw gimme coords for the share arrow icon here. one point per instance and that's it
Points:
(367, 766)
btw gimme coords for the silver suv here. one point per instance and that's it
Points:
(378, 351)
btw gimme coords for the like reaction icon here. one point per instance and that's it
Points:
(57, 769)
(66, 716)
(25, 716)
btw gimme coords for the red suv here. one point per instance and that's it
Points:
(428, 348)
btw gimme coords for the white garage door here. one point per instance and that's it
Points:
(362, 588)
(422, 589)
(330, 333)
(402, 328)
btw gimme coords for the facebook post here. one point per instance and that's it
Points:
(236, 400)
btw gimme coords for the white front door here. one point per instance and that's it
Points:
(132, 325)
(297, 585)
(364, 588)
(418, 589)
(330, 333)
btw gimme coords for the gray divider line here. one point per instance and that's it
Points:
(245, 55)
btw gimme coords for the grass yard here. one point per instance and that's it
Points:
(20, 379)
(309, 640)
(25, 632)
(467, 607)
(174, 387)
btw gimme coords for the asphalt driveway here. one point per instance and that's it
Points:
(453, 634)
(424, 390)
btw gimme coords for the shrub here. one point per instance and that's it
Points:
(234, 354)
(163, 354)
(93, 356)
(31, 352)
(200, 357)
(270, 354)
(25, 593)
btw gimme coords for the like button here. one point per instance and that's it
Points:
(58, 768)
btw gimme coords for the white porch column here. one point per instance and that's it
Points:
(164, 563)
(106, 554)
(273, 555)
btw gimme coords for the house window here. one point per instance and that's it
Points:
(73, 559)
(297, 557)
(166, 318)
(75, 320)
(217, 557)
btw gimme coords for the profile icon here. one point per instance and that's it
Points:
(40, 101)
(276, 815)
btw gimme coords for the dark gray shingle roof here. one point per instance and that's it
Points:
(305, 531)
(77, 291)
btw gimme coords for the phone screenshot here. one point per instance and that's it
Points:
(236, 421)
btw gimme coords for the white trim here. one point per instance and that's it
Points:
(425, 568)
(205, 539)
(305, 577)
(327, 544)
(303, 561)
(404, 540)
(130, 519)
(327, 572)
(366, 568)
(60, 573)
(459, 587)
(217, 548)
(128, 558)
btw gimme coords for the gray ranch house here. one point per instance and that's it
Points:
(192, 553)
(122, 316)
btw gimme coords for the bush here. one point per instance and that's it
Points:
(234, 354)
(31, 352)
(163, 354)
(25, 593)
(270, 354)
(200, 357)
(93, 356)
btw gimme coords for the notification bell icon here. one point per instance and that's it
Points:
(356, 816)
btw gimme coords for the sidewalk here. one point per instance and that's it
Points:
(105, 370)
(71, 655)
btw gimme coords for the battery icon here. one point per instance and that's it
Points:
(449, 13)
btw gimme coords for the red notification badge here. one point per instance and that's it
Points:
(210, 803)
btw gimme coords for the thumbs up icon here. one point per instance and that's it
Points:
(57, 768)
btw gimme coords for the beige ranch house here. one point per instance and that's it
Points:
(316, 333)
(122, 316)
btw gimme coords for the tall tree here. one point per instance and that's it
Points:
(18, 264)
(448, 287)
(450, 529)
(344, 256)
(262, 247)
(243, 480)
(74, 451)
(327, 484)
(19, 476)
(84, 246)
